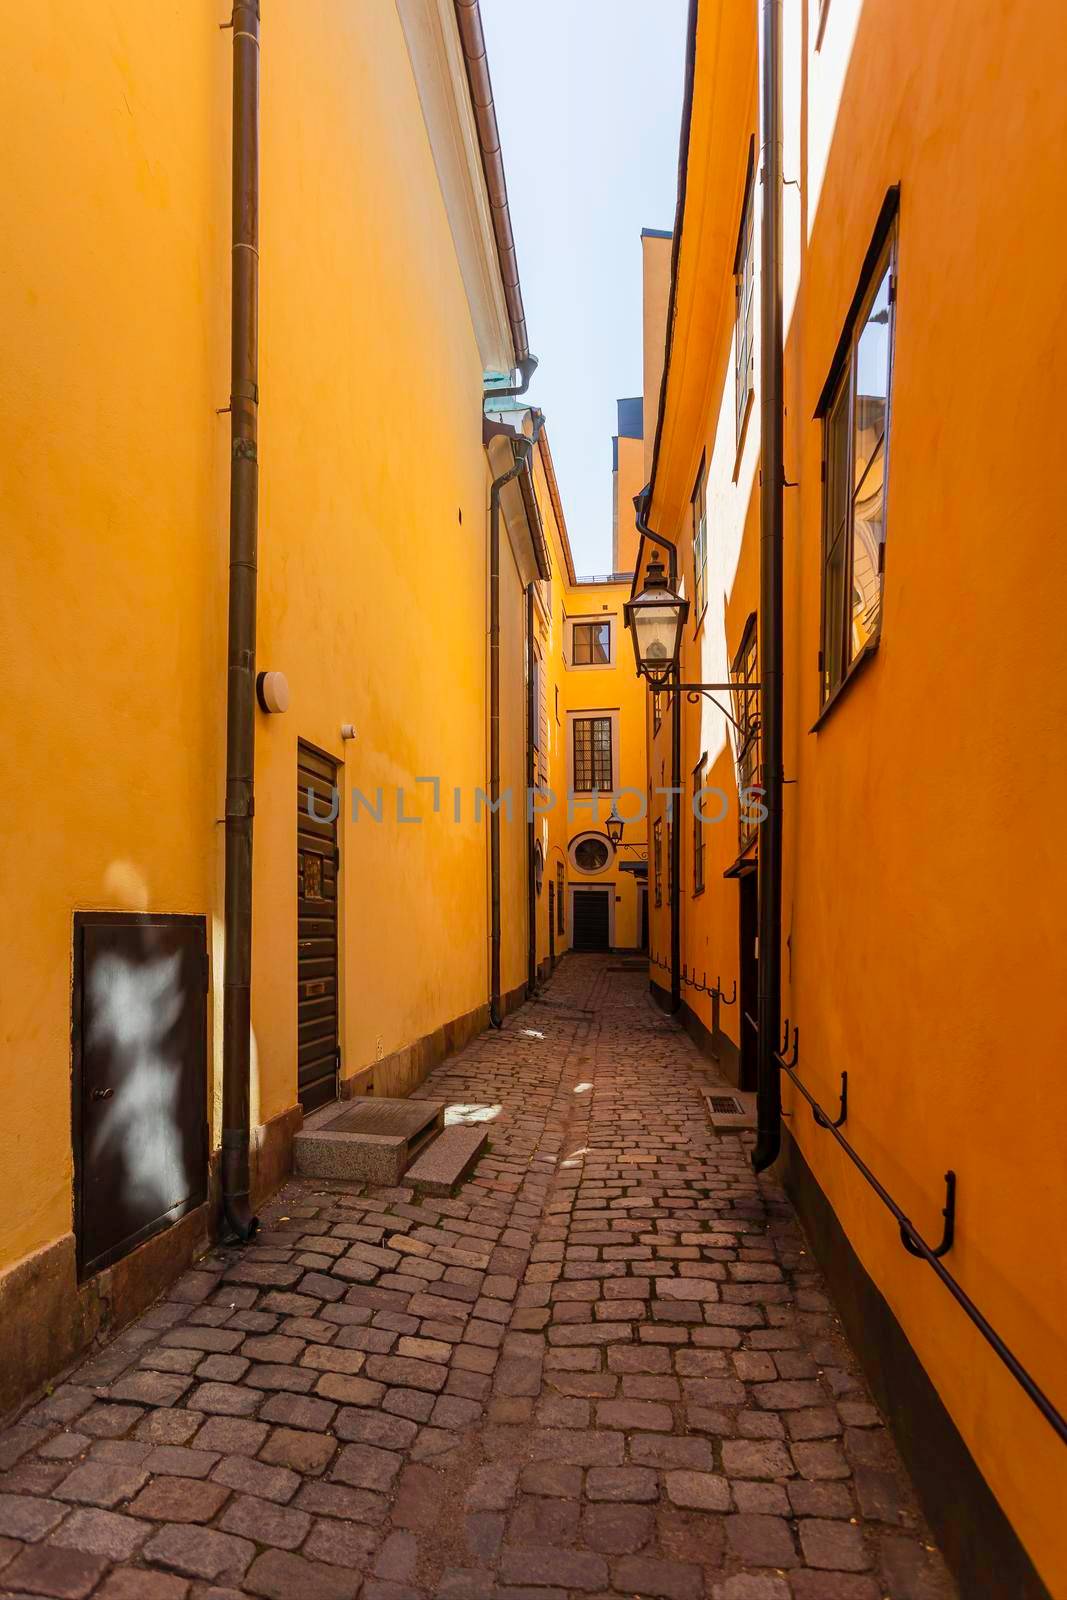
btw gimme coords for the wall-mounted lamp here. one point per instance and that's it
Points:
(272, 691)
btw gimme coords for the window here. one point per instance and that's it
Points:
(746, 711)
(536, 691)
(657, 859)
(744, 301)
(700, 543)
(561, 921)
(591, 852)
(592, 754)
(855, 447)
(590, 644)
(698, 827)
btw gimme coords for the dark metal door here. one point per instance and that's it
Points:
(643, 893)
(590, 931)
(748, 985)
(551, 921)
(317, 861)
(139, 1080)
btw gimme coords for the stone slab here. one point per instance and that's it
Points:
(442, 1164)
(369, 1141)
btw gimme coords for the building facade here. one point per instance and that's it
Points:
(371, 945)
(921, 655)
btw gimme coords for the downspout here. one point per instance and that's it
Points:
(238, 1219)
(531, 779)
(676, 845)
(526, 369)
(523, 448)
(640, 506)
(494, 726)
(769, 1087)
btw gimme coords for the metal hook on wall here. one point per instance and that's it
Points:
(719, 991)
(791, 1059)
(908, 1238)
(824, 1121)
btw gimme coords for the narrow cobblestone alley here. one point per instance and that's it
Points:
(606, 1366)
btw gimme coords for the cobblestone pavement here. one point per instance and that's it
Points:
(605, 1367)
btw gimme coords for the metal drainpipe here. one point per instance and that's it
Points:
(676, 846)
(526, 369)
(531, 779)
(238, 1219)
(676, 778)
(494, 724)
(523, 447)
(769, 1087)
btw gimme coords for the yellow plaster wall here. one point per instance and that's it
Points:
(114, 353)
(924, 868)
(114, 331)
(629, 481)
(656, 284)
(373, 593)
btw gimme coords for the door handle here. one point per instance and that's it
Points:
(101, 1094)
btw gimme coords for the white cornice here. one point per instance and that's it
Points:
(436, 54)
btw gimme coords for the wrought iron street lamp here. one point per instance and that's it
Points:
(614, 825)
(656, 618)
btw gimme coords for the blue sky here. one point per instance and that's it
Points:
(588, 97)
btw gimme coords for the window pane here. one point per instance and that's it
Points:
(868, 534)
(834, 620)
(837, 479)
(837, 506)
(592, 753)
(872, 378)
(602, 752)
(591, 644)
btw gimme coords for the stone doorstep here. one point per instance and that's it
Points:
(724, 1121)
(324, 1150)
(442, 1164)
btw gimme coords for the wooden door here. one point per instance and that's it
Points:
(317, 873)
(592, 922)
(139, 1079)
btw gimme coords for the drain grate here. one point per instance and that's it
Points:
(724, 1105)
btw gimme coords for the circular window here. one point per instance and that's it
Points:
(539, 865)
(591, 852)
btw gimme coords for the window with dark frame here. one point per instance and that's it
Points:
(698, 827)
(855, 453)
(699, 506)
(561, 921)
(744, 300)
(592, 754)
(590, 644)
(746, 712)
(657, 860)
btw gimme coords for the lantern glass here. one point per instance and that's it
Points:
(656, 617)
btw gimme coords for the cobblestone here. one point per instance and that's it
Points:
(606, 1366)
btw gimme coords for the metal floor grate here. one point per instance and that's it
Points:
(726, 1106)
